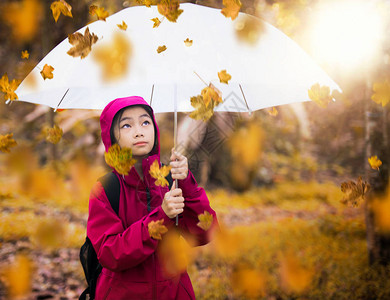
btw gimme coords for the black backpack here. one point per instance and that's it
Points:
(88, 257)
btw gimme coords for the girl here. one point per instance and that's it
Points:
(132, 268)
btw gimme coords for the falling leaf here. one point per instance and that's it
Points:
(212, 95)
(19, 276)
(120, 159)
(205, 220)
(273, 111)
(374, 162)
(320, 95)
(147, 3)
(6, 142)
(23, 17)
(8, 88)
(100, 12)
(58, 7)
(159, 173)
(248, 282)
(188, 42)
(114, 57)
(47, 72)
(82, 44)
(381, 92)
(156, 21)
(224, 77)
(122, 26)
(156, 229)
(294, 277)
(201, 112)
(354, 192)
(170, 9)
(231, 9)
(248, 29)
(161, 49)
(54, 135)
(228, 243)
(25, 54)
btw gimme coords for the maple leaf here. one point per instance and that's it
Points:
(120, 159)
(273, 111)
(161, 49)
(47, 72)
(205, 220)
(188, 42)
(114, 57)
(320, 95)
(224, 77)
(212, 95)
(201, 112)
(147, 3)
(25, 54)
(159, 173)
(54, 134)
(58, 7)
(100, 12)
(122, 26)
(381, 92)
(170, 9)
(6, 142)
(8, 88)
(82, 44)
(354, 192)
(374, 162)
(231, 9)
(156, 229)
(156, 21)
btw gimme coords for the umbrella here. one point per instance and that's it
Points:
(268, 72)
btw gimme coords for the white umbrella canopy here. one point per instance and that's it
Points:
(270, 72)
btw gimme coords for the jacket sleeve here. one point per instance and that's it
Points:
(119, 248)
(196, 203)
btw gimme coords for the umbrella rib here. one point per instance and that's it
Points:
(151, 96)
(61, 100)
(249, 110)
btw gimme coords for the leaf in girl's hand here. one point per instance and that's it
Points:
(381, 92)
(6, 142)
(8, 88)
(354, 192)
(100, 12)
(156, 229)
(170, 9)
(374, 162)
(82, 44)
(156, 23)
(161, 49)
(224, 77)
(25, 54)
(231, 8)
(320, 95)
(47, 72)
(205, 220)
(122, 26)
(120, 159)
(159, 173)
(58, 7)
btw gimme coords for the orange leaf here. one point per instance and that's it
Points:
(201, 112)
(161, 49)
(120, 159)
(25, 54)
(100, 12)
(231, 9)
(156, 229)
(205, 220)
(122, 26)
(212, 95)
(82, 44)
(170, 9)
(159, 173)
(374, 162)
(8, 88)
(59, 7)
(320, 95)
(54, 135)
(224, 77)
(6, 142)
(354, 192)
(156, 21)
(188, 42)
(47, 72)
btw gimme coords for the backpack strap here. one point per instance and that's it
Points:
(111, 186)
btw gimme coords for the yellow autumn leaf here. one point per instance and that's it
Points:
(170, 9)
(54, 134)
(159, 173)
(58, 7)
(161, 49)
(248, 282)
(294, 277)
(100, 12)
(25, 54)
(19, 276)
(224, 77)
(205, 220)
(120, 159)
(47, 72)
(273, 111)
(231, 8)
(82, 44)
(188, 42)
(201, 112)
(320, 95)
(381, 92)
(147, 3)
(354, 192)
(374, 162)
(156, 229)
(211, 95)
(122, 26)
(6, 142)
(156, 23)
(8, 88)
(114, 57)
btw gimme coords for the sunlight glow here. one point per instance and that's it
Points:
(347, 33)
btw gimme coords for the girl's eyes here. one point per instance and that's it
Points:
(125, 126)
(147, 122)
(129, 126)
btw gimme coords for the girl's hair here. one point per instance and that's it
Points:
(118, 116)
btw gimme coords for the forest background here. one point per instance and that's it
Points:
(297, 221)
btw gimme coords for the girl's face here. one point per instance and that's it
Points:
(135, 131)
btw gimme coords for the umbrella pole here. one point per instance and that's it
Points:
(175, 136)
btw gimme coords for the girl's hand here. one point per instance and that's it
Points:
(173, 202)
(179, 165)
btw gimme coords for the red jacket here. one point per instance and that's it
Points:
(131, 266)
